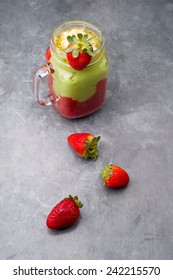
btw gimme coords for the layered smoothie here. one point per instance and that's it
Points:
(76, 93)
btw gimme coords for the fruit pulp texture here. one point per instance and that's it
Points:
(75, 105)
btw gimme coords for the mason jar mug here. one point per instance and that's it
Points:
(74, 93)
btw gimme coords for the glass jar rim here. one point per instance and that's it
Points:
(67, 25)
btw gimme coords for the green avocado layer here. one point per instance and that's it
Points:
(78, 85)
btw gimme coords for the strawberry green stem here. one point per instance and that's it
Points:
(91, 150)
(76, 200)
(79, 43)
(107, 172)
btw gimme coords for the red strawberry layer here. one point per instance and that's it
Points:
(70, 108)
(74, 109)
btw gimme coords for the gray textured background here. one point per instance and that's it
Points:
(38, 168)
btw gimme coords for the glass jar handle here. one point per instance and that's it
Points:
(39, 74)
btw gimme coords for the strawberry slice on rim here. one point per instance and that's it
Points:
(79, 52)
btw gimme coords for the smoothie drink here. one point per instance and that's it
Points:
(75, 93)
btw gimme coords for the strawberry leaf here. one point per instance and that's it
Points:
(76, 200)
(89, 40)
(84, 50)
(85, 37)
(70, 39)
(80, 36)
(89, 51)
(69, 49)
(74, 38)
(107, 172)
(91, 150)
(75, 53)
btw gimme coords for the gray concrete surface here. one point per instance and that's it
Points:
(38, 168)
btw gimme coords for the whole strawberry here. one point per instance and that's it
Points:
(115, 177)
(65, 213)
(84, 144)
(79, 51)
